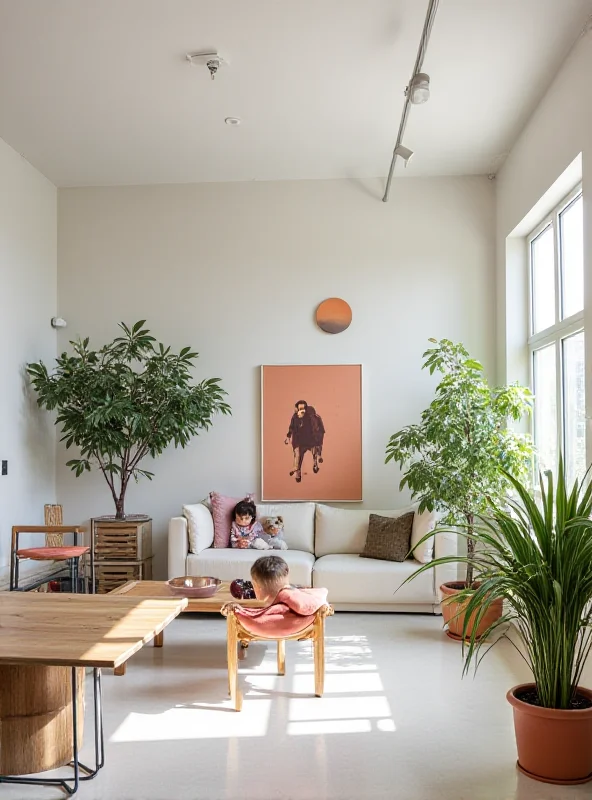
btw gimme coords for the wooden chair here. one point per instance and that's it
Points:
(54, 548)
(238, 635)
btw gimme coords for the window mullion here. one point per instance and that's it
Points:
(560, 399)
(558, 342)
(557, 271)
(561, 330)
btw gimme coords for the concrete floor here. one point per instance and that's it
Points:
(396, 721)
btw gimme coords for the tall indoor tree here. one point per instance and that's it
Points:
(458, 455)
(130, 399)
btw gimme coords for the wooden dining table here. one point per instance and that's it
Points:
(46, 643)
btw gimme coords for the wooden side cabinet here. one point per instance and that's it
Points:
(122, 551)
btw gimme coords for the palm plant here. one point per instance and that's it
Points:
(538, 560)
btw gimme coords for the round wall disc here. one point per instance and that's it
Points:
(334, 315)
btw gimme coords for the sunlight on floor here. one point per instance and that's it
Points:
(353, 702)
(344, 683)
(212, 722)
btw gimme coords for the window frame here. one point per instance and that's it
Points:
(562, 328)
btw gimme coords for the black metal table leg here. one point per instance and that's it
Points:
(71, 785)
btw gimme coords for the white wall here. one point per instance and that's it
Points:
(237, 270)
(559, 130)
(28, 277)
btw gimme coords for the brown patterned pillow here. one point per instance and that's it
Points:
(389, 538)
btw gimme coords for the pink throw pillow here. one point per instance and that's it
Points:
(222, 508)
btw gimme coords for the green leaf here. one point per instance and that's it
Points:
(124, 401)
(538, 562)
(458, 455)
(472, 364)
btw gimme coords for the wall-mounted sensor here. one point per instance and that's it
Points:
(58, 322)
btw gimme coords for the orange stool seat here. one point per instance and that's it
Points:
(52, 553)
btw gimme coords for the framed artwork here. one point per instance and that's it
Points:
(311, 426)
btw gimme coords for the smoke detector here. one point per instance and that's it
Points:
(212, 60)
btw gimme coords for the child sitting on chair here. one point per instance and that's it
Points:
(269, 576)
(287, 607)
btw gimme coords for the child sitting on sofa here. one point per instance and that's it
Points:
(245, 530)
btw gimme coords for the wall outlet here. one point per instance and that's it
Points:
(5, 467)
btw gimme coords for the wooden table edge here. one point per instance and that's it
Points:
(196, 605)
(112, 663)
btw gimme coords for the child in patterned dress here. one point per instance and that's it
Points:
(245, 530)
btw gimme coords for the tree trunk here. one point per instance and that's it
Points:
(470, 549)
(120, 506)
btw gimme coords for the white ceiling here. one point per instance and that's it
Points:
(99, 92)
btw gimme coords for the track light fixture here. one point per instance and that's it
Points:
(403, 152)
(417, 91)
(419, 88)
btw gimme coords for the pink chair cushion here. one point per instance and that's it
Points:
(52, 553)
(292, 611)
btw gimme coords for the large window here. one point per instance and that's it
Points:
(556, 336)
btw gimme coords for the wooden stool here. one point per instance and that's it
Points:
(239, 635)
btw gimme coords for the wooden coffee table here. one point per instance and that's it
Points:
(208, 605)
(45, 641)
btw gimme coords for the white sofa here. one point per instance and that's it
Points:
(324, 545)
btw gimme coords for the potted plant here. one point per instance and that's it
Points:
(538, 562)
(128, 400)
(460, 453)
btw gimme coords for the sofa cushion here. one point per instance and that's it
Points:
(228, 564)
(222, 508)
(423, 524)
(351, 579)
(200, 527)
(344, 530)
(299, 519)
(388, 537)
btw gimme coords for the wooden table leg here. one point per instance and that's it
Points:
(281, 656)
(120, 670)
(319, 655)
(36, 718)
(159, 639)
(232, 655)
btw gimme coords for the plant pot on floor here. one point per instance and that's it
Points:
(554, 745)
(454, 616)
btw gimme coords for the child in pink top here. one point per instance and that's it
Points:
(245, 531)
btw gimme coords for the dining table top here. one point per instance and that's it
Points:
(80, 630)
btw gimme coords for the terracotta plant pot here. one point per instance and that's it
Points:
(554, 745)
(454, 616)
